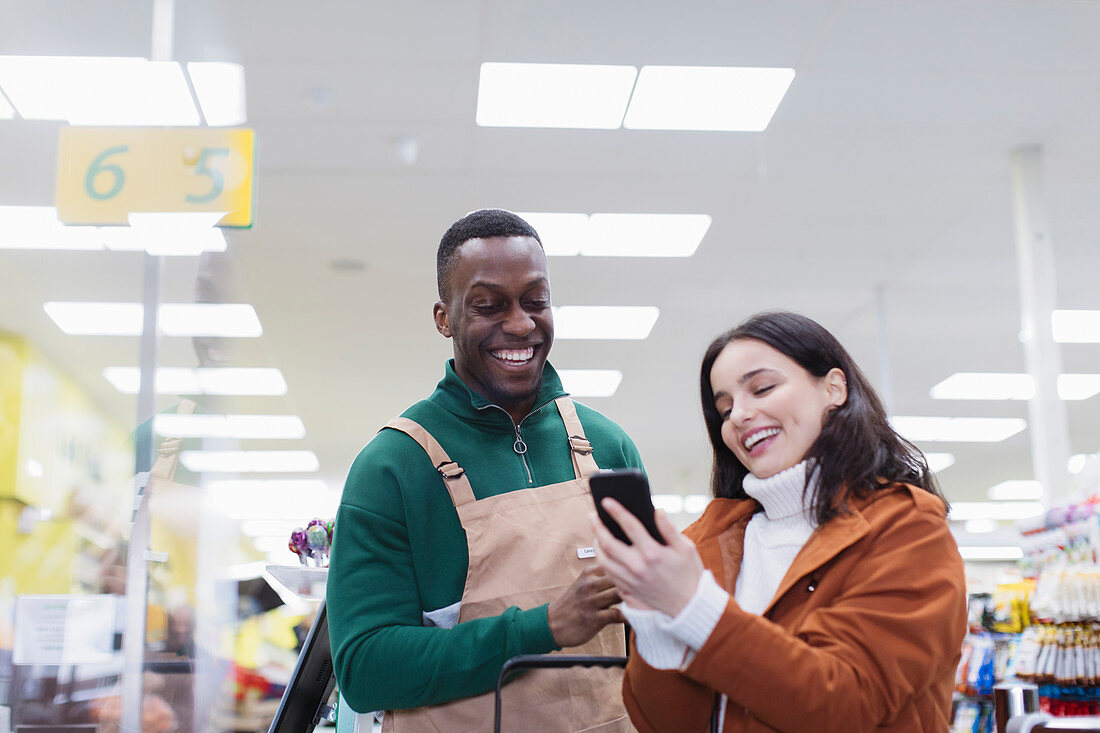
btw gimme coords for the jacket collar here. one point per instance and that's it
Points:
(721, 541)
(455, 397)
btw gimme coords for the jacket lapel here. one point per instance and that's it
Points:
(824, 544)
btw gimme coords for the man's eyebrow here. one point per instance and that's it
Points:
(499, 286)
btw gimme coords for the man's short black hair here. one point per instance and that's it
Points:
(480, 224)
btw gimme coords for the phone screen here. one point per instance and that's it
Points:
(630, 488)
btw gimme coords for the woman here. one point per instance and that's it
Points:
(821, 590)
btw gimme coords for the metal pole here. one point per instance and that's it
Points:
(886, 383)
(1038, 296)
(137, 573)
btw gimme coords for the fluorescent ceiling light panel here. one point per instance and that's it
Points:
(230, 426)
(210, 319)
(696, 503)
(1003, 386)
(723, 98)
(241, 381)
(991, 553)
(1000, 510)
(610, 322)
(99, 319)
(669, 503)
(1076, 326)
(553, 95)
(980, 526)
(939, 461)
(958, 429)
(562, 235)
(177, 233)
(590, 382)
(220, 89)
(170, 380)
(1076, 462)
(1016, 491)
(176, 319)
(37, 227)
(6, 110)
(645, 235)
(251, 381)
(286, 500)
(250, 461)
(98, 90)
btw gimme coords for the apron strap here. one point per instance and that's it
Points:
(580, 449)
(454, 476)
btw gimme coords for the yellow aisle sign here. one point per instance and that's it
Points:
(105, 173)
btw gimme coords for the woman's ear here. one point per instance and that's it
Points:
(836, 387)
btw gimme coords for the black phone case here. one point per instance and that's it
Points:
(630, 488)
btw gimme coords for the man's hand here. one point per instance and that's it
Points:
(584, 608)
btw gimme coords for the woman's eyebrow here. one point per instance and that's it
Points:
(749, 375)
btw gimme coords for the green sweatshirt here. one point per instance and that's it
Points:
(400, 550)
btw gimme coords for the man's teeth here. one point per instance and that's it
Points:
(515, 355)
(760, 435)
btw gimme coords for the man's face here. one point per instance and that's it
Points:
(498, 316)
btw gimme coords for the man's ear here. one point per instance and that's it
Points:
(836, 386)
(442, 322)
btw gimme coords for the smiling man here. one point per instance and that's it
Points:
(461, 539)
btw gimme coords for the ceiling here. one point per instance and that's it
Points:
(878, 201)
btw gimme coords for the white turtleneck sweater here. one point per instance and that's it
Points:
(772, 540)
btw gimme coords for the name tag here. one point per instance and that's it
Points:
(586, 552)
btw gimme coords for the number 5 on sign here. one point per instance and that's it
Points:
(105, 174)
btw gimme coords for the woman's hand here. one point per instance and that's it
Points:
(647, 573)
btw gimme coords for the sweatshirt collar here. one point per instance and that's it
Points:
(784, 494)
(453, 395)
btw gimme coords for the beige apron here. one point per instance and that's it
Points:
(526, 547)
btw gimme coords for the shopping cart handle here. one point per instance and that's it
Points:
(530, 661)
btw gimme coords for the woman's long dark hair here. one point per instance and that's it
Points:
(857, 452)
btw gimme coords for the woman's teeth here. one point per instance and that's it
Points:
(515, 356)
(759, 436)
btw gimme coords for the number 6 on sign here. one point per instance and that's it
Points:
(97, 168)
(216, 180)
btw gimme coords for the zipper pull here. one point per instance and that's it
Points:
(519, 446)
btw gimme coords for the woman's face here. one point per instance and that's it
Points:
(772, 408)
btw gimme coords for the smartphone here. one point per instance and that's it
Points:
(630, 488)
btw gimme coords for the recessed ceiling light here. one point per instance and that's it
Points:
(259, 381)
(669, 503)
(220, 89)
(590, 382)
(610, 322)
(98, 90)
(720, 98)
(1076, 326)
(230, 426)
(561, 234)
(990, 553)
(958, 429)
(1076, 462)
(645, 235)
(939, 461)
(176, 319)
(37, 227)
(288, 500)
(553, 95)
(980, 526)
(250, 461)
(1005, 386)
(1016, 490)
(1000, 510)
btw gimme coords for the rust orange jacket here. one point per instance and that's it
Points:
(864, 633)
